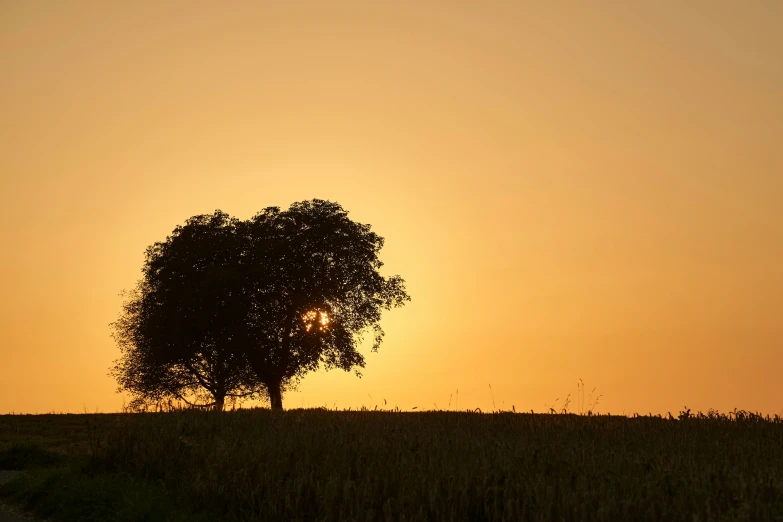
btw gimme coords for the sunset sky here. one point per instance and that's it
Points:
(571, 190)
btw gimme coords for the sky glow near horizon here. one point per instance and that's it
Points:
(600, 185)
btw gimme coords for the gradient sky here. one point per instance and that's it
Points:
(572, 190)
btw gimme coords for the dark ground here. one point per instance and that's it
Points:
(257, 465)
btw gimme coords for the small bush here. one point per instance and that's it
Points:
(28, 456)
(73, 493)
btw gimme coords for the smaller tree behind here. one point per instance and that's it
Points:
(182, 330)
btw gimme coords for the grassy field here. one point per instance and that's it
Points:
(324, 465)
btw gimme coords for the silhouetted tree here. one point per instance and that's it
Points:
(182, 328)
(318, 289)
(236, 308)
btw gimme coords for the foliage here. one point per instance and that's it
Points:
(181, 327)
(230, 308)
(28, 456)
(73, 493)
(322, 289)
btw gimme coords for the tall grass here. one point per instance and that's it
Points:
(364, 465)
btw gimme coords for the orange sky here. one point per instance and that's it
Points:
(571, 190)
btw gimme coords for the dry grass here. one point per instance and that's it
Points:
(328, 465)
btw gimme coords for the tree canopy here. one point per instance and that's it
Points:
(322, 290)
(181, 327)
(236, 308)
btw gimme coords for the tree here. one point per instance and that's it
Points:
(181, 330)
(317, 290)
(237, 308)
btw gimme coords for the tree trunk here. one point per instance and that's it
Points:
(220, 402)
(275, 396)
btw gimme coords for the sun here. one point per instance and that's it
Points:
(316, 317)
